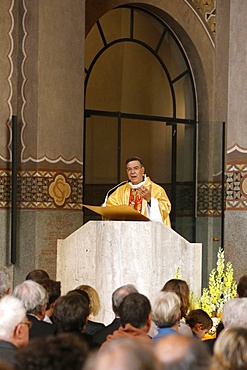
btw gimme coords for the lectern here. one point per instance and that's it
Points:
(108, 254)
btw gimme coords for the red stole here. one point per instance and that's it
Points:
(135, 200)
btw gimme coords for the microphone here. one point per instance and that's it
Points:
(111, 190)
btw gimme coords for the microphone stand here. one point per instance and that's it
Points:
(111, 190)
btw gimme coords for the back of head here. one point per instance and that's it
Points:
(199, 316)
(178, 352)
(53, 289)
(12, 313)
(235, 313)
(135, 310)
(32, 295)
(242, 287)
(119, 294)
(181, 288)
(123, 354)
(166, 309)
(94, 300)
(61, 352)
(4, 281)
(83, 293)
(37, 275)
(230, 350)
(71, 313)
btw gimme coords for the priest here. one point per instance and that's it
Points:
(142, 194)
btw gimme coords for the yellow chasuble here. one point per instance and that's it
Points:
(125, 194)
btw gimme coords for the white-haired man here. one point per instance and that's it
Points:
(5, 281)
(14, 328)
(35, 298)
(235, 313)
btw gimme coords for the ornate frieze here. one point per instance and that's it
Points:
(43, 190)
(236, 186)
(207, 8)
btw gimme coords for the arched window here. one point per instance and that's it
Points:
(140, 100)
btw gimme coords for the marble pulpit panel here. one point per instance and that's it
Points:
(108, 254)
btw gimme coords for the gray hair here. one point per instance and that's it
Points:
(235, 313)
(32, 295)
(119, 294)
(166, 309)
(4, 281)
(12, 312)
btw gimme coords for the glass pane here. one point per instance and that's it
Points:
(172, 56)
(93, 44)
(209, 202)
(102, 143)
(116, 24)
(101, 161)
(185, 190)
(120, 81)
(142, 23)
(150, 141)
(184, 98)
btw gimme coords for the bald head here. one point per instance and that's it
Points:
(123, 354)
(177, 352)
(172, 348)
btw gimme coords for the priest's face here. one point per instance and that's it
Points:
(135, 172)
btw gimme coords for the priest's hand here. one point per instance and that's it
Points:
(145, 192)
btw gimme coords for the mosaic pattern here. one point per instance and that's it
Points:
(236, 186)
(207, 8)
(184, 196)
(43, 190)
(5, 189)
(209, 201)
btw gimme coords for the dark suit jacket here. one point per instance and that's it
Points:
(100, 336)
(88, 339)
(40, 328)
(7, 352)
(93, 327)
(209, 343)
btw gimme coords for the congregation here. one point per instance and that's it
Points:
(40, 329)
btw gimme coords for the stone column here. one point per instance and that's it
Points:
(231, 55)
(42, 48)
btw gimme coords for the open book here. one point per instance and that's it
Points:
(118, 213)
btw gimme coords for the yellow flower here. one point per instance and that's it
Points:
(221, 288)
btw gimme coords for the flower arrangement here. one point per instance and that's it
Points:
(221, 288)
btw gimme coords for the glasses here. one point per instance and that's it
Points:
(28, 323)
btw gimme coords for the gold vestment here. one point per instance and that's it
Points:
(121, 196)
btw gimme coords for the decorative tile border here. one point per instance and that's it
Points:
(209, 199)
(43, 190)
(236, 186)
(5, 189)
(63, 190)
(209, 196)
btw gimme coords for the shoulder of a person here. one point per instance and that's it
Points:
(155, 186)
